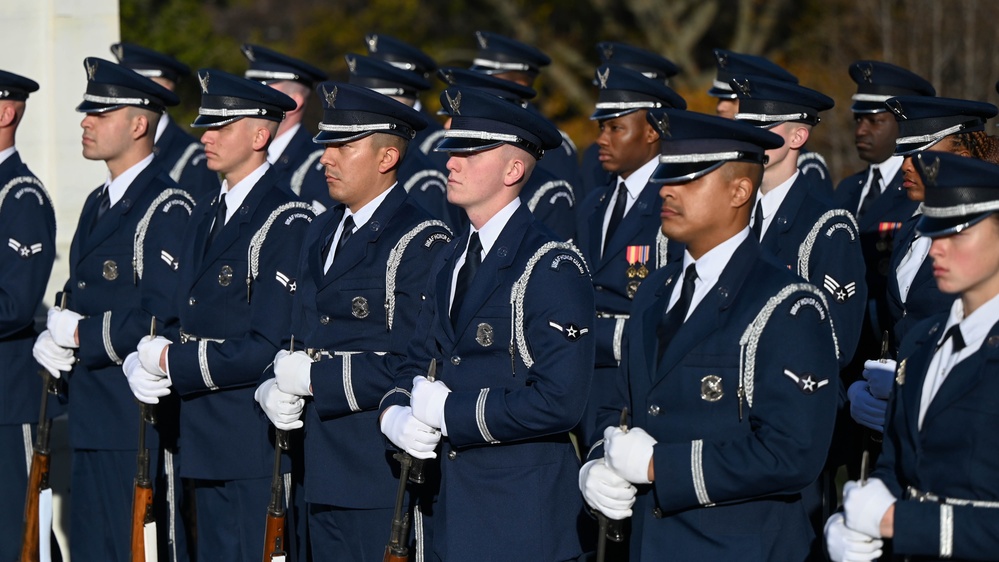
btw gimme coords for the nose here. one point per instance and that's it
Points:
(327, 158)
(907, 165)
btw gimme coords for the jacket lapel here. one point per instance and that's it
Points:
(492, 269)
(315, 255)
(915, 367)
(964, 377)
(705, 318)
(239, 221)
(632, 224)
(653, 314)
(362, 239)
(594, 227)
(110, 222)
(775, 238)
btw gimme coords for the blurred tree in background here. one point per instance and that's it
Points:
(947, 41)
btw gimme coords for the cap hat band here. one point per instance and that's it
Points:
(148, 72)
(875, 98)
(501, 65)
(930, 137)
(390, 91)
(482, 135)
(960, 210)
(722, 85)
(254, 74)
(116, 101)
(627, 105)
(403, 65)
(771, 118)
(357, 128)
(225, 112)
(694, 158)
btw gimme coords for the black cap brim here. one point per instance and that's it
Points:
(454, 144)
(936, 227)
(94, 107)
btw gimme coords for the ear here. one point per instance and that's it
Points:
(515, 171)
(7, 115)
(260, 138)
(140, 126)
(742, 191)
(798, 138)
(389, 159)
(650, 135)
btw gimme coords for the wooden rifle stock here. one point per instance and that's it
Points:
(274, 531)
(143, 518)
(38, 479)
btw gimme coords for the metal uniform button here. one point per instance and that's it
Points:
(452, 455)
(192, 301)
(653, 410)
(81, 284)
(598, 287)
(455, 360)
(324, 319)
(657, 513)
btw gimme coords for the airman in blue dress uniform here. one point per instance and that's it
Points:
(617, 226)
(653, 66)
(519, 62)
(181, 154)
(551, 200)
(512, 338)
(292, 154)
(230, 311)
(407, 57)
(362, 268)
(139, 211)
(419, 175)
(728, 423)
(730, 65)
(27, 222)
(935, 490)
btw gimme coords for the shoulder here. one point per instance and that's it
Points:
(22, 190)
(852, 181)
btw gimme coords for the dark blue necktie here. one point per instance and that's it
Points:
(673, 319)
(466, 274)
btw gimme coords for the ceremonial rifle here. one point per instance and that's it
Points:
(410, 470)
(274, 532)
(608, 528)
(143, 544)
(38, 479)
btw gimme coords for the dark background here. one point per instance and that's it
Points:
(950, 42)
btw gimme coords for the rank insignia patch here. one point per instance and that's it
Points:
(286, 282)
(808, 383)
(841, 293)
(24, 250)
(571, 331)
(170, 260)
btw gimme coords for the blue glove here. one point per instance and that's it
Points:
(867, 410)
(880, 376)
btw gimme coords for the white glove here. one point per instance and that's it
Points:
(865, 506)
(62, 325)
(628, 453)
(293, 372)
(150, 350)
(408, 433)
(147, 387)
(428, 400)
(880, 377)
(605, 491)
(845, 545)
(51, 356)
(283, 409)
